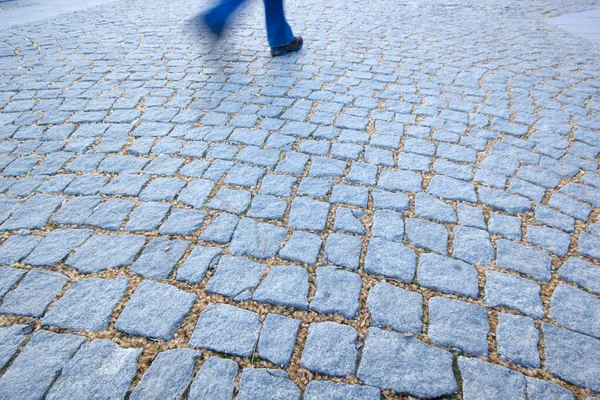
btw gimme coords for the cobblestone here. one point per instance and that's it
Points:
(132, 154)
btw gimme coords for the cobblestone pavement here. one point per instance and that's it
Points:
(407, 207)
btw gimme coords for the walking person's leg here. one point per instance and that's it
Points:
(216, 18)
(279, 34)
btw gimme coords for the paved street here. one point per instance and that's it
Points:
(407, 208)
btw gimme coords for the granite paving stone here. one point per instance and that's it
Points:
(227, 329)
(337, 292)
(514, 292)
(284, 285)
(308, 214)
(390, 259)
(9, 277)
(182, 221)
(518, 339)
(395, 307)
(527, 260)
(327, 390)
(87, 305)
(214, 380)
(16, 247)
(555, 241)
(33, 213)
(458, 324)
(168, 375)
(36, 367)
(34, 293)
(101, 252)
(162, 189)
(388, 225)
(256, 239)
(147, 217)
(99, 369)
(330, 349)
(447, 275)
(260, 383)
(220, 229)
(582, 273)
(302, 247)
(472, 245)
(482, 380)
(155, 310)
(538, 389)
(427, 235)
(231, 200)
(572, 356)
(391, 360)
(236, 277)
(343, 250)
(159, 258)
(11, 337)
(197, 263)
(278, 339)
(576, 310)
(56, 245)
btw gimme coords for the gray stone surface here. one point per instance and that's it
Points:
(482, 380)
(391, 360)
(478, 120)
(11, 338)
(33, 294)
(284, 285)
(168, 375)
(337, 292)
(155, 310)
(390, 259)
(36, 367)
(197, 263)
(15, 248)
(527, 260)
(102, 252)
(395, 307)
(572, 356)
(538, 389)
(100, 369)
(512, 291)
(581, 272)
(87, 305)
(256, 239)
(8, 277)
(214, 380)
(277, 339)
(447, 275)
(472, 245)
(576, 310)
(518, 339)
(457, 324)
(56, 245)
(330, 349)
(226, 329)
(326, 390)
(159, 258)
(259, 383)
(236, 277)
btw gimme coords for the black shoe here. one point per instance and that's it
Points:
(295, 45)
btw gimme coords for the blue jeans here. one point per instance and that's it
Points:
(279, 32)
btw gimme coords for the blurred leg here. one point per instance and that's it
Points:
(217, 17)
(279, 32)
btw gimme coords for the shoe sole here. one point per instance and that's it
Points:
(281, 52)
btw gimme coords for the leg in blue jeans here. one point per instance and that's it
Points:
(279, 32)
(217, 17)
